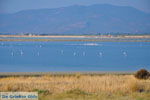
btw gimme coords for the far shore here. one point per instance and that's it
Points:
(100, 38)
(80, 36)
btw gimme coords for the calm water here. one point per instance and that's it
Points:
(73, 56)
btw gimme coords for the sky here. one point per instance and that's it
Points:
(12, 6)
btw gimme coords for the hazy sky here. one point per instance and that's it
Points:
(10, 6)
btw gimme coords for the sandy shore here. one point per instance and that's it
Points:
(102, 38)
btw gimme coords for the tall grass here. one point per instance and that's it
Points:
(86, 83)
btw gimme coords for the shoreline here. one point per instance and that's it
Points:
(79, 36)
(92, 38)
(17, 74)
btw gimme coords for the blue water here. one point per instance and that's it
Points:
(73, 56)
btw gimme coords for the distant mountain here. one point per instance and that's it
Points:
(100, 18)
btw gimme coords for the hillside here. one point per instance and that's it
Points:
(100, 18)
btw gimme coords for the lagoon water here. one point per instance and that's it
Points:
(73, 56)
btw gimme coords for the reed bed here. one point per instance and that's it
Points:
(86, 83)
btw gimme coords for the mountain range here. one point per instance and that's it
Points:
(77, 19)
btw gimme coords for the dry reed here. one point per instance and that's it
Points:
(90, 84)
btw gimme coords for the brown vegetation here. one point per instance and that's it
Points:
(89, 84)
(142, 74)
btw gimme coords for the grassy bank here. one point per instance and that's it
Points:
(80, 87)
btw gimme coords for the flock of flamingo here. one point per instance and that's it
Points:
(62, 52)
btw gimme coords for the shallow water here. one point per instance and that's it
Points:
(73, 56)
